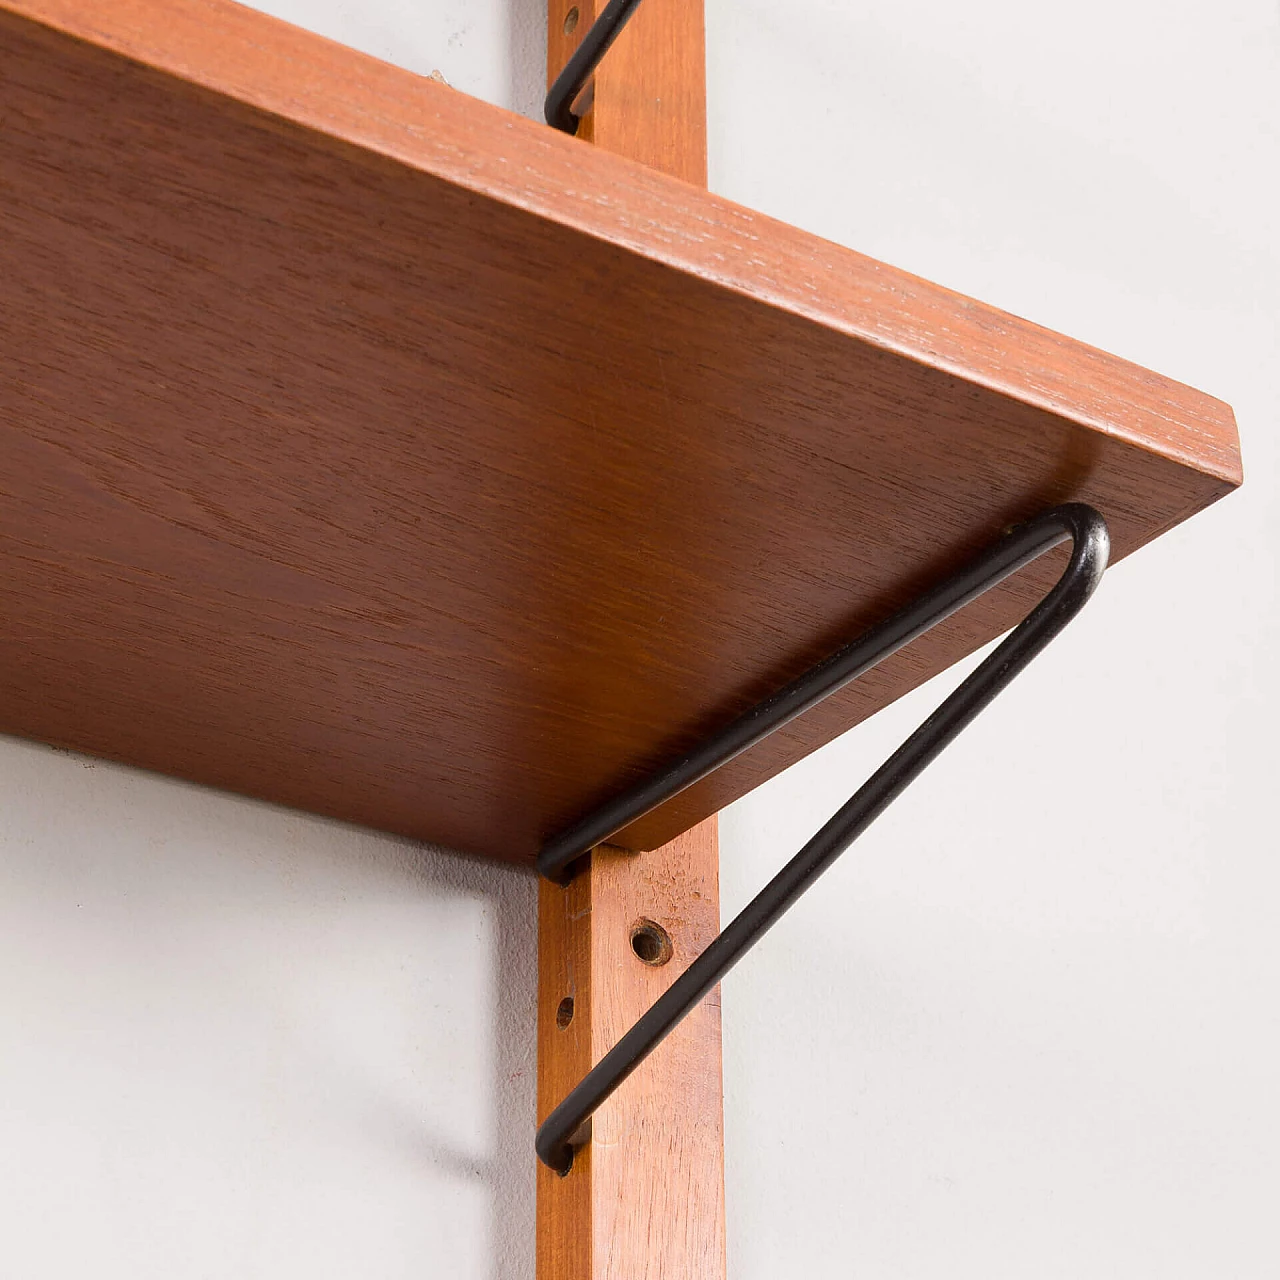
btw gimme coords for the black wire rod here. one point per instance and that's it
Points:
(558, 108)
(1086, 530)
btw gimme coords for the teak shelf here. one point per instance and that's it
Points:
(308, 489)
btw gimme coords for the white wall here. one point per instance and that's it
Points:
(1030, 1027)
(239, 1041)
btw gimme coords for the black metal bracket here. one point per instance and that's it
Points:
(558, 108)
(1087, 532)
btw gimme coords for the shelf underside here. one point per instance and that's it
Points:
(309, 491)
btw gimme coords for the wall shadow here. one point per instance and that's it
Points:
(527, 56)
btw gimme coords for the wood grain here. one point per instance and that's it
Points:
(649, 97)
(375, 451)
(645, 1197)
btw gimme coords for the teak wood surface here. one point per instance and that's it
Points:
(376, 451)
(644, 1199)
(651, 84)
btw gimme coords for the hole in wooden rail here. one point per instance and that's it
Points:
(651, 942)
(571, 21)
(564, 1012)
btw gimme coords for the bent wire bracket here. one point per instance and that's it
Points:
(1080, 524)
(558, 108)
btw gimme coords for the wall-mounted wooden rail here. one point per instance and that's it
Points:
(646, 1200)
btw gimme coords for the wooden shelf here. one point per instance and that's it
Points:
(306, 490)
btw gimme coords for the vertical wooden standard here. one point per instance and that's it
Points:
(645, 1197)
(649, 97)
